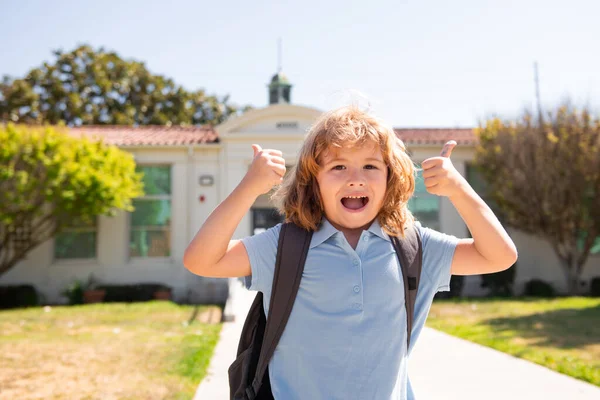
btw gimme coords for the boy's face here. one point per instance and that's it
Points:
(352, 183)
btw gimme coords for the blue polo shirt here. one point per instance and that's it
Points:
(346, 335)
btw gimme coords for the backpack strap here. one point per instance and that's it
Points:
(292, 250)
(410, 254)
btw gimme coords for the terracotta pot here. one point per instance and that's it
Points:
(162, 295)
(93, 296)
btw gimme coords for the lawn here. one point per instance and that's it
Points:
(562, 334)
(150, 350)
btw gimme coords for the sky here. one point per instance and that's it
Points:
(435, 63)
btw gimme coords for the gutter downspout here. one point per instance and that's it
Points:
(190, 166)
(189, 202)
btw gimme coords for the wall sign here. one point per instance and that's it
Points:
(287, 125)
(206, 180)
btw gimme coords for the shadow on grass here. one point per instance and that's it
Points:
(194, 314)
(566, 328)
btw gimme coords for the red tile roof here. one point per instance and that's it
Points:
(156, 135)
(436, 136)
(153, 135)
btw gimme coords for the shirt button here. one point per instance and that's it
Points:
(357, 306)
(355, 262)
(356, 289)
(366, 238)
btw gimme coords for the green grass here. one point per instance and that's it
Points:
(153, 349)
(562, 334)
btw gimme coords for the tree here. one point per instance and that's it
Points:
(85, 87)
(544, 179)
(49, 179)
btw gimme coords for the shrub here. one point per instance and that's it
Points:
(70, 180)
(131, 293)
(456, 286)
(539, 288)
(74, 292)
(14, 296)
(595, 287)
(500, 283)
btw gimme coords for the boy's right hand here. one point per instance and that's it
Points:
(267, 170)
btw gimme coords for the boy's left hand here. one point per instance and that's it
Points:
(440, 176)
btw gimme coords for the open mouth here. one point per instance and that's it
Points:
(355, 203)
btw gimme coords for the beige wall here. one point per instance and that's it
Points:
(227, 162)
(113, 264)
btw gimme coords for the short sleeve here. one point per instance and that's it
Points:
(438, 252)
(262, 252)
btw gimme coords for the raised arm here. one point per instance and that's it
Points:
(212, 252)
(491, 249)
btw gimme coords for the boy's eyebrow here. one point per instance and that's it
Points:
(345, 159)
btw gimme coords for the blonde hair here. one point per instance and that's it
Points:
(298, 198)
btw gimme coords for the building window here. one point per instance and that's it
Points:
(77, 240)
(264, 218)
(424, 205)
(476, 181)
(264, 213)
(150, 234)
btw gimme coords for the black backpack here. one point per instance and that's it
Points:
(249, 374)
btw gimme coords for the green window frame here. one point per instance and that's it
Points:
(77, 241)
(150, 222)
(424, 205)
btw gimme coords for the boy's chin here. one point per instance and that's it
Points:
(354, 221)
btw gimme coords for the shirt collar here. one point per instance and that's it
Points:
(376, 229)
(326, 230)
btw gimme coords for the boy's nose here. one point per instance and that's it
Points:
(356, 179)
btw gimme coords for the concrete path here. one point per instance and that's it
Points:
(215, 386)
(441, 367)
(445, 367)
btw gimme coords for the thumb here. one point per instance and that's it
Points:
(257, 149)
(447, 149)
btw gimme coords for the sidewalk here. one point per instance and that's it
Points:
(215, 386)
(441, 367)
(445, 367)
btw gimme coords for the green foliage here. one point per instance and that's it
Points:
(456, 286)
(595, 287)
(74, 292)
(132, 293)
(543, 177)
(49, 179)
(500, 283)
(87, 86)
(539, 288)
(16, 296)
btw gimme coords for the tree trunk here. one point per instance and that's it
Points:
(571, 275)
(573, 283)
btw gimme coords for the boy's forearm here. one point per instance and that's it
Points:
(490, 238)
(210, 243)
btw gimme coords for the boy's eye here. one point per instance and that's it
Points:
(339, 167)
(370, 166)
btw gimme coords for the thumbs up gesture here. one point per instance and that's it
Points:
(267, 170)
(440, 176)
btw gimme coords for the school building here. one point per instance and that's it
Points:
(189, 171)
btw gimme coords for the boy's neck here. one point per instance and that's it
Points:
(352, 235)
